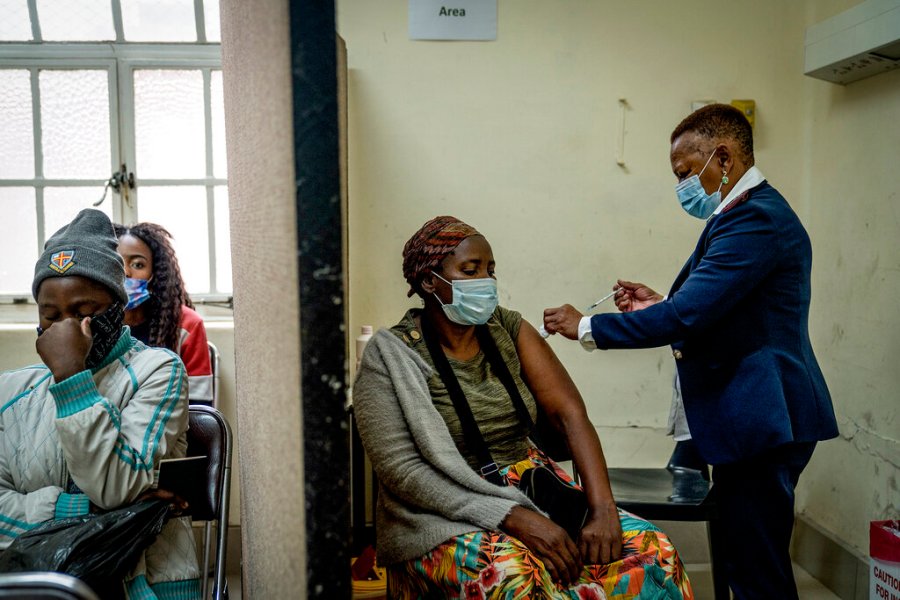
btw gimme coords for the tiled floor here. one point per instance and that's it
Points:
(807, 587)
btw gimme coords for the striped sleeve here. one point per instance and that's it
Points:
(72, 505)
(111, 452)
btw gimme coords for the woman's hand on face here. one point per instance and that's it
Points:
(64, 345)
(601, 537)
(547, 540)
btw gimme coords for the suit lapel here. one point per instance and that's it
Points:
(695, 258)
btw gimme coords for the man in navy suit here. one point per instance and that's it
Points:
(736, 318)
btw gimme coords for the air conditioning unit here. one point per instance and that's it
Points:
(858, 43)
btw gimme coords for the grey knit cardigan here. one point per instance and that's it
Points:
(428, 493)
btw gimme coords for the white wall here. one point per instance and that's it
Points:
(518, 138)
(851, 156)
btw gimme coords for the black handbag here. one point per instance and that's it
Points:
(566, 505)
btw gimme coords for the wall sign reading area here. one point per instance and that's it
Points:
(453, 19)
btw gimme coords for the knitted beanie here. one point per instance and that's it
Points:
(87, 247)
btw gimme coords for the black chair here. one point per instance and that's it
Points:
(679, 492)
(214, 366)
(210, 435)
(44, 586)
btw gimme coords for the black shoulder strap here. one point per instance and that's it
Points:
(489, 347)
(471, 433)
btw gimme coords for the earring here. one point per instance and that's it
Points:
(724, 177)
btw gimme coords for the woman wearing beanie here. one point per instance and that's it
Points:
(85, 430)
(159, 310)
(451, 521)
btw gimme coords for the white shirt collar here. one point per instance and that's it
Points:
(752, 178)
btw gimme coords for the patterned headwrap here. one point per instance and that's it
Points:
(430, 245)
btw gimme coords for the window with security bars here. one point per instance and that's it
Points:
(115, 104)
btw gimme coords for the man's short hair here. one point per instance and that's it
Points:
(715, 121)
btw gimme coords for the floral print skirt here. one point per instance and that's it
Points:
(491, 564)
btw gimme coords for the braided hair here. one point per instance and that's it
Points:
(167, 289)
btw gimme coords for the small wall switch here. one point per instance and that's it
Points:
(700, 104)
(748, 107)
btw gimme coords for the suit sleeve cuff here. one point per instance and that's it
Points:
(585, 337)
(75, 394)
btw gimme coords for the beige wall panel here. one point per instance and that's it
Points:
(256, 67)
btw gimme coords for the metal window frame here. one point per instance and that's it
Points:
(118, 22)
(127, 67)
(120, 59)
(39, 182)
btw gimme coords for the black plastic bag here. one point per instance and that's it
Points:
(98, 549)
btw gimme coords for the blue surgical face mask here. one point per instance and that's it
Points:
(474, 300)
(694, 199)
(137, 292)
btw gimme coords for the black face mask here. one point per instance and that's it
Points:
(106, 328)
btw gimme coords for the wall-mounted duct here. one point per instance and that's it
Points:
(855, 44)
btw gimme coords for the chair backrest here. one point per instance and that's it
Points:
(44, 586)
(209, 434)
(214, 365)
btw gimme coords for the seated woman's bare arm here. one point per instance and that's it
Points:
(555, 392)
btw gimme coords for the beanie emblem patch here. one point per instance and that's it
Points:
(62, 261)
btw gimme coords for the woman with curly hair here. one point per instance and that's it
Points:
(159, 311)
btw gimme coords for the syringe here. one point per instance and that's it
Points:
(601, 300)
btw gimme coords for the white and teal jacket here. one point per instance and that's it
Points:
(107, 430)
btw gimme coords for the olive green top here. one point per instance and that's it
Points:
(504, 433)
